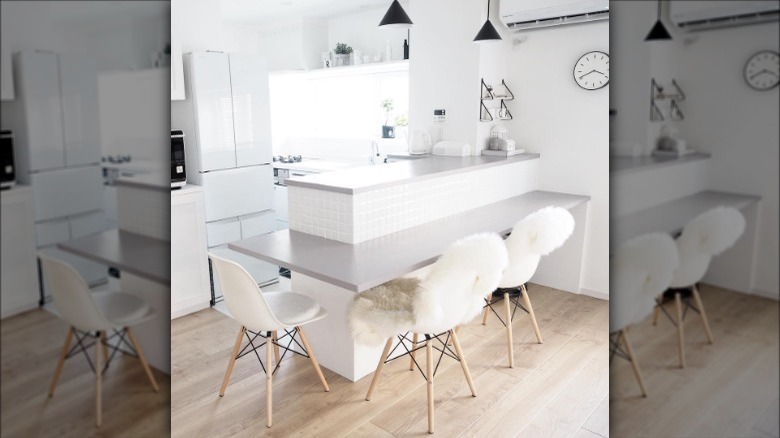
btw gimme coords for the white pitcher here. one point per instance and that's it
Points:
(420, 142)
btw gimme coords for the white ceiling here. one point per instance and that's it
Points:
(260, 11)
(90, 12)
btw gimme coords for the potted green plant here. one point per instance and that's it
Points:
(388, 131)
(342, 54)
(401, 122)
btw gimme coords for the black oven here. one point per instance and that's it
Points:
(7, 165)
(178, 168)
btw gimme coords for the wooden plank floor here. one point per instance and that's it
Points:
(729, 389)
(30, 344)
(559, 388)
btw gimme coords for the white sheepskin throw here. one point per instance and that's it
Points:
(536, 235)
(640, 270)
(707, 235)
(451, 293)
(383, 312)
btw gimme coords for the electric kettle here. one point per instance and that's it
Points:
(420, 143)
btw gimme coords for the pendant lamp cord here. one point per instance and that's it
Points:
(659, 9)
(488, 15)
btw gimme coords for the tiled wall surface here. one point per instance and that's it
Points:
(368, 215)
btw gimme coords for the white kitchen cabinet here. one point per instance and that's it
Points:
(251, 113)
(79, 97)
(190, 286)
(67, 192)
(19, 290)
(229, 97)
(239, 191)
(6, 71)
(38, 111)
(177, 66)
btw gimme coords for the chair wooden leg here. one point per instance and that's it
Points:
(414, 353)
(657, 312)
(463, 364)
(269, 383)
(275, 338)
(61, 361)
(98, 382)
(314, 362)
(142, 359)
(632, 359)
(527, 302)
(105, 346)
(704, 319)
(680, 333)
(429, 383)
(232, 361)
(508, 308)
(379, 367)
(487, 309)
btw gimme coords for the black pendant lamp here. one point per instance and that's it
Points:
(658, 32)
(487, 33)
(396, 17)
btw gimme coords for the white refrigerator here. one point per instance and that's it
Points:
(55, 121)
(226, 122)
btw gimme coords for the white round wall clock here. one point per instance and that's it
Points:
(591, 71)
(762, 71)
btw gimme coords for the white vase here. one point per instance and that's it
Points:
(341, 60)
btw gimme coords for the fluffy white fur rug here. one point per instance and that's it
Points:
(452, 293)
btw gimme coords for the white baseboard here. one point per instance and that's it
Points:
(595, 294)
(189, 306)
(765, 294)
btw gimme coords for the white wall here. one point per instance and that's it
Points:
(738, 125)
(568, 126)
(361, 32)
(552, 115)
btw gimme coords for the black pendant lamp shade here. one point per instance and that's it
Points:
(488, 32)
(396, 17)
(658, 32)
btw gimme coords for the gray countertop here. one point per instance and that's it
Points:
(358, 267)
(364, 178)
(671, 217)
(137, 254)
(619, 164)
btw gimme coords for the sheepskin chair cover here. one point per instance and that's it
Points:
(536, 235)
(640, 270)
(707, 235)
(452, 293)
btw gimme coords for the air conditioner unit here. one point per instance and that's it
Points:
(692, 16)
(532, 14)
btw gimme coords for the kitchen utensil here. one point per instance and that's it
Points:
(420, 142)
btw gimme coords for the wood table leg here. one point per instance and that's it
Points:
(269, 383)
(463, 364)
(414, 353)
(313, 358)
(142, 359)
(632, 359)
(232, 361)
(680, 332)
(98, 382)
(61, 361)
(508, 312)
(657, 311)
(105, 346)
(527, 302)
(704, 319)
(379, 367)
(429, 383)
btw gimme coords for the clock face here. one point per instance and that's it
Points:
(762, 71)
(591, 71)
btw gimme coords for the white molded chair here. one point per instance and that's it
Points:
(534, 236)
(707, 235)
(451, 294)
(639, 270)
(91, 316)
(265, 312)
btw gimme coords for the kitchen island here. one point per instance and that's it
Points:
(332, 270)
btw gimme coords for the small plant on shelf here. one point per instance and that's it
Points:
(342, 49)
(388, 131)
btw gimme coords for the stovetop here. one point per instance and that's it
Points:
(288, 158)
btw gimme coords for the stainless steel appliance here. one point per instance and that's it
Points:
(178, 166)
(7, 165)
